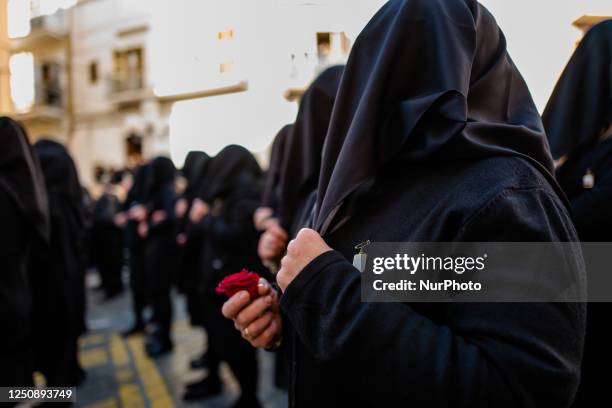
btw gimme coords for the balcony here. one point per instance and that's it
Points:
(48, 106)
(128, 89)
(46, 31)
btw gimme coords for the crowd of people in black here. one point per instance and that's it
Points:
(429, 133)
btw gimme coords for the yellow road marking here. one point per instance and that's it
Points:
(91, 340)
(130, 396)
(154, 385)
(107, 403)
(93, 357)
(118, 351)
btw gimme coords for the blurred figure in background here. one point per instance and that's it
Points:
(107, 237)
(578, 122)
(24, 217)
(58, 272)
(301, 164)
(224, 212)
(159, 250)
(135, 213)
(190, 240)
(270, 196)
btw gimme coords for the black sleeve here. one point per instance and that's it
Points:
(482, 355)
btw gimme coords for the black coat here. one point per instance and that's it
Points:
(348, 353)
(24, 220)
(433, 136)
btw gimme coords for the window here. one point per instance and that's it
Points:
(128, 70)
(93, 72)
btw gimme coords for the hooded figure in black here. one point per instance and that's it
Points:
(135, 245)
(299, 169)
(270, 194)
(107, 240)
(58, 271)
(25, 219)
(434, 137)
(302, 157)
(160, 250)
(231, 195)
(578, 121)
(190, 239)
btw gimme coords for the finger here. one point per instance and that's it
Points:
(265, 338)
(256, 328)
(263, 288)
(278, 232)
(253, 311)
(235, 304)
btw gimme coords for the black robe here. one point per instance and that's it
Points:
(232, 189)
(135, 246)
(270, 193)
(24, 220)
(160, 243)
(433, 137)
(577, 114)
(58, 271)
(302, 153)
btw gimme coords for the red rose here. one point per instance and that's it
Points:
(243, 280)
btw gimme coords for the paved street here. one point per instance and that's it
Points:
(120, 374)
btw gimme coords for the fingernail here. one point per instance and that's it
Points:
(244, 296)
(269, 300)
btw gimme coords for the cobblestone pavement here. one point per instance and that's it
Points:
(120, 374)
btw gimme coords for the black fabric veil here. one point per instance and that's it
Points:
(274, 169)
(62, 181)
(302, 156)
(580, 107)
(231, 168)
(160, 173)
(21, 177)
(194, 170)
(426, 80)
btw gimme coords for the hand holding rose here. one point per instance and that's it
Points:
(259, 320)
(306, 246)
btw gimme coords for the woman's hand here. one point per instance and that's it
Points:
(143, 229)
(180, 208)
(138, 213)
(258, 321)
(272, 243)
(262, 214)
(199, 209)
(306, 246)
(158, 217)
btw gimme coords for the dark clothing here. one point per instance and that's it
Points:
(229, 245)
(464, 99)
(15, 298)
(348, 353)
(24, 220)
(580, 107)
(135, 246)
(271, 194)
(107, 244)
(576, 116)
(58, 271)
(590, 206)
(302, 156)
(160, 255)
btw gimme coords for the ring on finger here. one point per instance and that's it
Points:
(245, 332)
